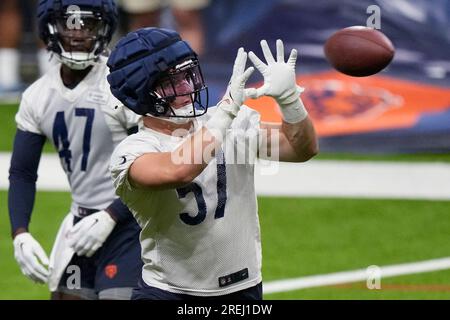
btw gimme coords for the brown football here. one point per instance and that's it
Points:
(359, 51)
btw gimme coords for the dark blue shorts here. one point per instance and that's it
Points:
(146, 292)
(117, 264)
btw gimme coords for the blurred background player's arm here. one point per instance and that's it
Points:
(26, 155)
(22, 178)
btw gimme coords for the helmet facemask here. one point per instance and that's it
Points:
(181, 93)
(78, 38)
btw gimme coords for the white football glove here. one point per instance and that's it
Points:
(279, 81)
(89, 234)
(229, 106)
(236, 93)
(31, 257)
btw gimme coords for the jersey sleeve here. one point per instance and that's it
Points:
(133, 121)
(27, 117)
(127, 118)
(123, 157)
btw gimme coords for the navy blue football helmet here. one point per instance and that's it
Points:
(77, 31)
(153, 69)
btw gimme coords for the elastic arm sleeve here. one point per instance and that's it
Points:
(22, 177)
(119, 211)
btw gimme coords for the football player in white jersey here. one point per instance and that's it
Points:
(96, 253)
(200, 230)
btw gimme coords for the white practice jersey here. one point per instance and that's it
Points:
(204, 238)
(83, 125)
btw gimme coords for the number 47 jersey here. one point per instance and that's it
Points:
(83, 125)
(203, 238)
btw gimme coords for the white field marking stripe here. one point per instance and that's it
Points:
(316, 178)
(355, 179)
(355, 275)
(51, 176)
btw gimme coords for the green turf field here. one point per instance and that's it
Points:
(50, 208)
(424, 286)
(300, 237)
(8, 128)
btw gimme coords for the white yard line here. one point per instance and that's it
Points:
(317, 178)
(355, 276)
(357, 179)
(51, 176)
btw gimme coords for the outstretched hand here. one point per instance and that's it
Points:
(236, 93)
(279, 76)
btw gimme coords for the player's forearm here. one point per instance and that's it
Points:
(22, 178)
(302, 138)
(21, 195)
(177, 168)
(297, 127)
(193, 156)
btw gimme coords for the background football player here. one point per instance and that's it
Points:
(71, 105)
(200, 230)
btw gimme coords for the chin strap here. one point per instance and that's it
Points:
(77, 60)
(182, 115)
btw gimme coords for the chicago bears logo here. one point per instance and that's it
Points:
(341, 105)
(337, 100)
(111, 270)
